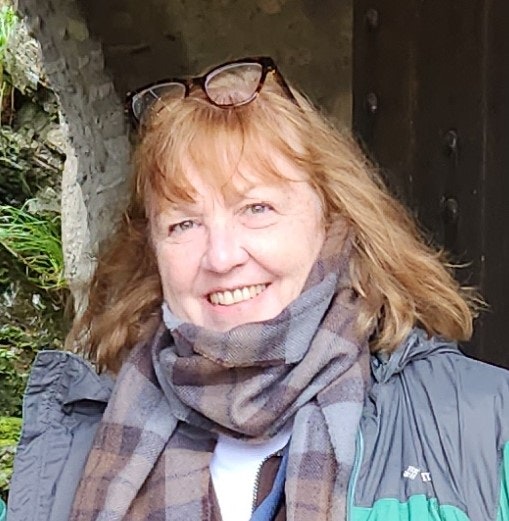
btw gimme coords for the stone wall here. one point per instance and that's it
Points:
(93, 184)
(96, 50)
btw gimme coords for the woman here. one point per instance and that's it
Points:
(259, 262)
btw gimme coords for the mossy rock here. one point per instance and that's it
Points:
(10, 429)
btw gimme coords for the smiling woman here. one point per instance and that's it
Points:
(275, 340)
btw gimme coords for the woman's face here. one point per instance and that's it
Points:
(238, 256)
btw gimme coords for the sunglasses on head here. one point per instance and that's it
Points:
(231, 84)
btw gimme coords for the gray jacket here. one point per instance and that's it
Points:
(432, 442)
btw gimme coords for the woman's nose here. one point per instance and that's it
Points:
(224, 249)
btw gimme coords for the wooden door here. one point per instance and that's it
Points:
(431, 104)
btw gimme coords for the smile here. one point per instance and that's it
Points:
(229, 297)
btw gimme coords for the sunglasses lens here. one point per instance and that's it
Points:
(152, 99)
(234, 84)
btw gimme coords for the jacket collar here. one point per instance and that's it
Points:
(416, 346)
(78, 378)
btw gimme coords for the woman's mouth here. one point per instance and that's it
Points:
(229, 297)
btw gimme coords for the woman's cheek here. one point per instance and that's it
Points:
(174, 264)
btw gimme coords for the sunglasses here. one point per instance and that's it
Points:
(231, 84)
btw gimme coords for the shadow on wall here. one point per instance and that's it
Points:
(310, 40)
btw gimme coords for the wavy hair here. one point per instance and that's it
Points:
(406, 281)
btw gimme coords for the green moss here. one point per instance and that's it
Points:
(10, 429)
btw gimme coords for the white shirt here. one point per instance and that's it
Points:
(234, 470)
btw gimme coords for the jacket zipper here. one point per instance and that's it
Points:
(278, 453)
(359, 449)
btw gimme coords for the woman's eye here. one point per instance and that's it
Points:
(258, 215)
(258, 208)
(182, 227)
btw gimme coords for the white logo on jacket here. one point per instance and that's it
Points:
(412, 472)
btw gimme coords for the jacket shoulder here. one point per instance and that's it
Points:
(478, 390)
(62, 407)
(435, 426)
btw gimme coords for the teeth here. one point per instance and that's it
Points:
(227, 298)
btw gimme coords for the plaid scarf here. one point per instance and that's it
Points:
(151, 454)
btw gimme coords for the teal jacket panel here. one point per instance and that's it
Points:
(417, 508)
(503, 510)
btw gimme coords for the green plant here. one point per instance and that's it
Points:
(35, 241)
(8, 22)
(32, 295)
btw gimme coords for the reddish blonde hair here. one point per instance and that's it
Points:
(407, 282)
